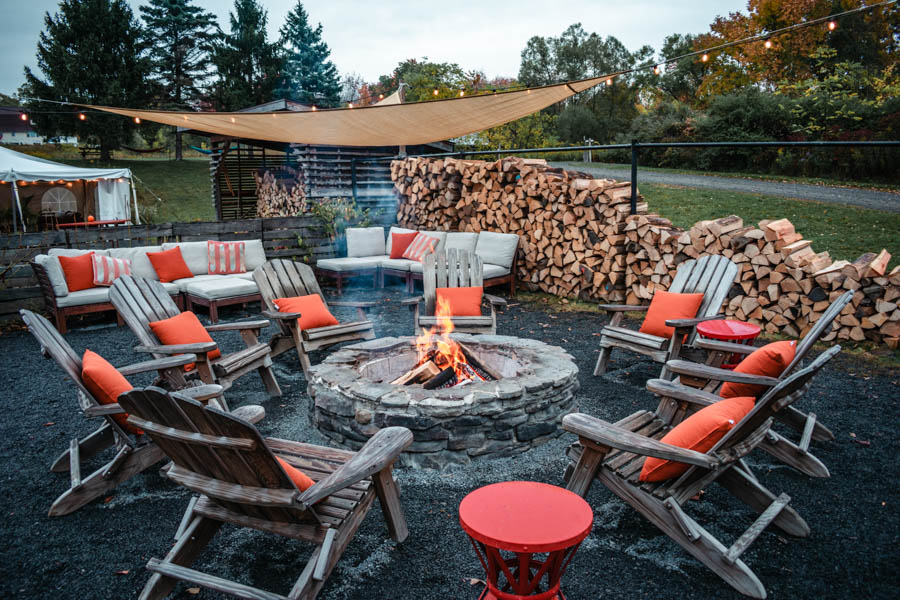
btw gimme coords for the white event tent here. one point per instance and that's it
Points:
(112, 191)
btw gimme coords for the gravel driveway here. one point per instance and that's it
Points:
(872, 199)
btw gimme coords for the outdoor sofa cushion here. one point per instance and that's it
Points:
(398, 264)
(75, 252)
(400, 242)
(491, 271)
(221, 287)
(669, 305)
(421, 245)
(365, 241)
(195, 255)
(350, 263)
(94, 295)
(107, 269)
(441, 237)
(184, 328)
(54, 273)
(225, 258)
(497, 248)
(254, 254)
(461, 240)
(78, 271)
(387, 245)
(169, 264)
(140, 264)
(770, 360)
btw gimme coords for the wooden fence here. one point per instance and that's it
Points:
(299, 238)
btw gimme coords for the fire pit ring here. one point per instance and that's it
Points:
(351, 399)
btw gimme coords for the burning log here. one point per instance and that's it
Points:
(446, 376)
(420, 374)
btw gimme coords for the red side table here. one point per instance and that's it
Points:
(525, 518)
(730, 331)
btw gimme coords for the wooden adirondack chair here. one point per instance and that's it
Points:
(132, 455)
(231, 466)
(452, 268)
(795, 454)
(614, 455)
(281, 278)
(141, 301)
(711, 276)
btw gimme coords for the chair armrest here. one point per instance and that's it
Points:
(677, 391)
(158, 364)
(380, 451)
(196, 348)
(104, 409)
(683, 367)
(202, 393)
(412, 301)
(606, 434)
(623, 307)
(692, 322)
(251, 413)
(722, 346)
(256, 324)
(496, 301)
(354, 304)
(280, 316)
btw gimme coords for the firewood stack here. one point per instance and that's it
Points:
(579, 240)
(570, 225)
(279, 196)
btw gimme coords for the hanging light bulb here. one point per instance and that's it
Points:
(232, 119)
(768, 44)
(82, 117)
(609, 81)
(350, 105)
(462, 93)
(314, 107)
(137, 120)
(656, 70)
(435, 92)
(832, 25)
(24, 116)
(381, 96)
(705, 57)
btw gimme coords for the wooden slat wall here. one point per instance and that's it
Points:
(298, 238)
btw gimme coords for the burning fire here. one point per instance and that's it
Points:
(435, 345)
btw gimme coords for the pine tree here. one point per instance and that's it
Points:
(104, 67)
(307, 74)
(179, 36)
(247, 64)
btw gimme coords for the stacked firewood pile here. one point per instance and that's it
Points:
(570, 225)
(279, 193)
(579, 240)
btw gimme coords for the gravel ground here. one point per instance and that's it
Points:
(100, 551)
(873, 199)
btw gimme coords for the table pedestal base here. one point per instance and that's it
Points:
(523, 574)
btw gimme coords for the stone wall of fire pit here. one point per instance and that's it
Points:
(350, 399)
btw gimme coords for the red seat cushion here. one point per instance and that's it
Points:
(669, 305)
(420, 246)
(461, 301)
(312, 309)
(400, 242)
(169, 265)
(185, 328)
(771, 360)
(699, 432)
(78, 271)
(300, 479)
(105, 384)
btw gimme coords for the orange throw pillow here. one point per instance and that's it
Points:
(771, 360)
(105, 384)
(300, 479)
(312, 309)
(400, 242)
(668, 305)
(78, 271)
(169, 265)
(699, 432)
(462, 301)
(421, 245)
(185, 328)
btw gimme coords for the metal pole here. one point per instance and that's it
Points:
(634, 165)
(137, 214)
(353, 178)
(19, 206)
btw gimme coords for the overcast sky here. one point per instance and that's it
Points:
(371, 37)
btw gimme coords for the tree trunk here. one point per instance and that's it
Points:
(177, 144)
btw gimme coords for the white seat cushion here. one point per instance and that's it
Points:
(95, 295)
(398, 264)
(497, 248)
(491, 271)
(365, 241)
(441, 237)
(54, 273)
(351, 263)
(75, 252)
(416, 267)
(248, 275)
(387, 245)
(461, 240)
(195, 255)
(183, 283)
(170, 287)
(225, 287)
(254, 254)
(140, 264)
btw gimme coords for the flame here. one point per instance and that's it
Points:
(449, 353)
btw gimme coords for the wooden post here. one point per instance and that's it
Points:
(634, 166)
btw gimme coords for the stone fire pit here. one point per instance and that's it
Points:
(351, 399)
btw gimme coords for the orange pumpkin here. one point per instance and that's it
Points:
(90, 218)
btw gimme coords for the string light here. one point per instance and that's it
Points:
(232, 119)
(24, 116)
(768, 44)
(82, 117)
(705, 57)
(435, 92)
(462, 93)
(381, 96)
(137, 120)
(314, 107)
(609, 81)
(656, 70)
(350, 105)
(832, 25)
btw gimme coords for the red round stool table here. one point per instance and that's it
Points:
(526, 520)
(729, 331)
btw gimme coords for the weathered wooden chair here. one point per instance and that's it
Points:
(141, 301)
(133, 455)
(711, 276)
(233, 469)
(710, 377)
(614, 454)
(452, 268)
(281, 278)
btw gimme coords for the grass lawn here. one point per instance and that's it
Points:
(845, 232)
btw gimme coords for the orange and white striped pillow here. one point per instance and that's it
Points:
(226, 257)
(420, 246)
(107, 269)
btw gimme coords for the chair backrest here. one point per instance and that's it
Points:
(216, 454)
(711, 275)
(280, 278)
(140, 301)
(449, 268)
(822, 327)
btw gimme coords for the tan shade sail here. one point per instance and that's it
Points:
(378, 125)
